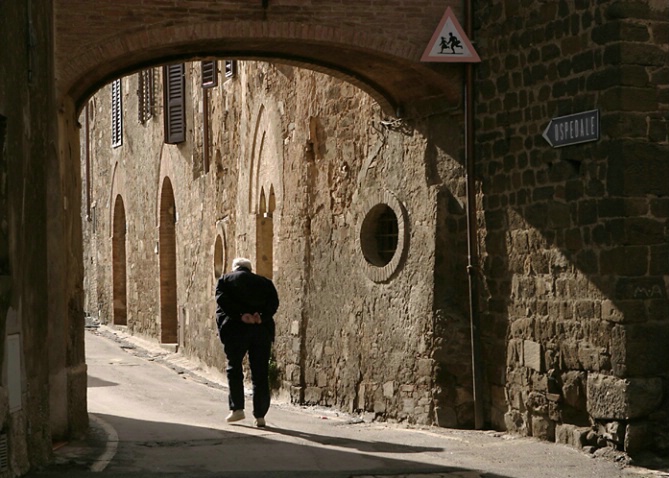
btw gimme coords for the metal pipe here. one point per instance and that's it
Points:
(87, 115)
(472, 235)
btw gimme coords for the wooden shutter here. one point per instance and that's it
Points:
(230, 68)
(117, 114)
(145, 95)
(175, 104)
(209, 74)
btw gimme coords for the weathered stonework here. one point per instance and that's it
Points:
(43, 372)
(299, 160)
(576, 237)
(573, 241)
(611, 398)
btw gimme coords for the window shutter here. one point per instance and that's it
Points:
(175, 104)
(145, 95)
(117, 114)
(209, 74)
(230, 68)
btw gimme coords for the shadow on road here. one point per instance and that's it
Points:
(157, 449)
(98, 382)
(364, 446)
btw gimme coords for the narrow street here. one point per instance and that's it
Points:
(153, 418)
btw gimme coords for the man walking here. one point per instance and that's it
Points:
(245, 308)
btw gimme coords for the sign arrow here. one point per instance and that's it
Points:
(572, 129)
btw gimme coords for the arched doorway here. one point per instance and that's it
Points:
(168, 265)
(119, 264)
(264, 237)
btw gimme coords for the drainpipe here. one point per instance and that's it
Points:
(472, 236)
(87, 156)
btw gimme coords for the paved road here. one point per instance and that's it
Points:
(152, 416)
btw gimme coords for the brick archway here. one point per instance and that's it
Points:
(378, 51)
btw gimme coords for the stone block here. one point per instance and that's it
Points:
(551, 358)
(613, 398)
(424, 367)
(408, 405)
(646, 348)
(564, 434)
(633, 54)
(379, 406)
(543, 428)
(611, 312)
(537, 403)
(322, 379)
(515, 422)
(407, 388)
(580, 435)
(589, 357)
(554, 411)
(389, 389)
(533, 355)
(613, 432)
(658, 310)
(516, 397)
(638, 437)
(569, 355)
(463, 395)
(637, 169)
(624, 261)
(296, 345)
(573, 389)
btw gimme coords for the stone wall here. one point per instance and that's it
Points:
(298, 161)
(573, 240)
(27, 138)
(576, 238)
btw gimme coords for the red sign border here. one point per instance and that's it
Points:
(435, 37)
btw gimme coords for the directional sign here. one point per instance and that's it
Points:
(449, 43)
(573, 129)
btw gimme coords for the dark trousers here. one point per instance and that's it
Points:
(256, 341)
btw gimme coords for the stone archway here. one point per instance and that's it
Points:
(376, 49)
(377, 60)
(168, 267)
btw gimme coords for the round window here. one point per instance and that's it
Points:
(378, 235)
(382, 236)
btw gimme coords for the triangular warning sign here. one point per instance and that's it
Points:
(449, 43)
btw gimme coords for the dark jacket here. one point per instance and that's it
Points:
(240, 292)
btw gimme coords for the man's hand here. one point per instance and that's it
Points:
(251, 318)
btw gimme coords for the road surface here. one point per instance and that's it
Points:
(152, 418)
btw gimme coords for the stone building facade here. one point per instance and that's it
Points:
(302, 172)
(573, 241)
(576, 249)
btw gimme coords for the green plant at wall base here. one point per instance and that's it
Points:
(274, 373)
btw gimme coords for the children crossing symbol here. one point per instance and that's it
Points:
(449, 43)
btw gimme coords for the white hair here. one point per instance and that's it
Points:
(241, 262)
